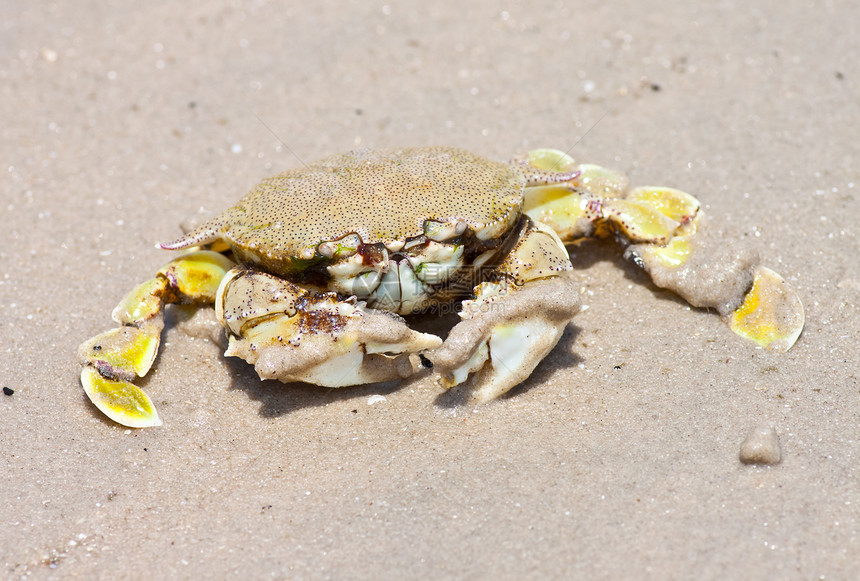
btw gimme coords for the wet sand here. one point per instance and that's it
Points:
(617, 459)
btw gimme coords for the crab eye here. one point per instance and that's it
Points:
(341, 248)
(327, 249)
(441, 231)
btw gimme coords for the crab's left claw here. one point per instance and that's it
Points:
(515, 320)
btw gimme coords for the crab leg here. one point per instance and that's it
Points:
(515, 320)
(661, 230)
(112, 360)
(291, 334)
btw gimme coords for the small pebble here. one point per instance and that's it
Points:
(761, 446)
(376, 399)
(49, 54)
(8, 391)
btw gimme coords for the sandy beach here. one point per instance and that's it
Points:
(617, 459)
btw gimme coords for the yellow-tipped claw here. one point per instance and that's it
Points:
(771, 314)
(121, 401)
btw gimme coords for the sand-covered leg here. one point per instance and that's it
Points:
(665, 238)
(112, 360)
(661, 230)
(756, 302)
(515, 319)
(291, 334)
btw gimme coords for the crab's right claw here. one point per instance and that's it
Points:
(290, 334)
(771, 313)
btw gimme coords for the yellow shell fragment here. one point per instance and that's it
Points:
(121, 401)
(197, 274)
(771, 314)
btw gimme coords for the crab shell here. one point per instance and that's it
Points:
(393, 227)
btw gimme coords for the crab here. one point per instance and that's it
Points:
(313, 273)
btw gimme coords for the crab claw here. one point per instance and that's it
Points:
(504, 334)
(512, 324)
(112, 360)
(290, 334)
